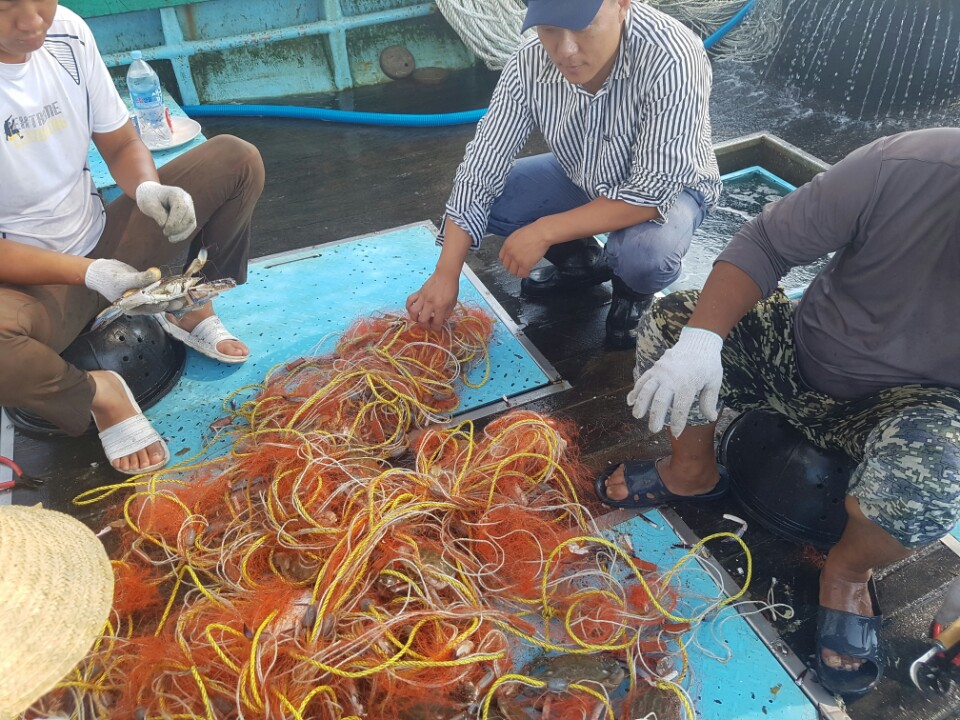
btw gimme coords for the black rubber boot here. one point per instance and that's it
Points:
(624, 314)
(575, 265)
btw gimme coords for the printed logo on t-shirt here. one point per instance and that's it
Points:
(21, 130)
(10, 129)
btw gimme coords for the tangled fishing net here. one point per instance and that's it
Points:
(491, 28)
(348, 558)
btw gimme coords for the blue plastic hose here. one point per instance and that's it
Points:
(393, 119)
(729, 25)
(341, 116)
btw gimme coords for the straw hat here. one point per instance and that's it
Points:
(56, 590)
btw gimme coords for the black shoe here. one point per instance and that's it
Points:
(624, 314)
(576, 265)
(552, 281)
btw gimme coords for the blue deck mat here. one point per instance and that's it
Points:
(751, 684)
(291, 302)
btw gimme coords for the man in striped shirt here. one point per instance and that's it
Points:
(621, 94)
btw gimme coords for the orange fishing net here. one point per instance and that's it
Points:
(346, 560)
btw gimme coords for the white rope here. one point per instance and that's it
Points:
(491, 28)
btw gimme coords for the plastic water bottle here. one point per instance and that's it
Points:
(148, 105)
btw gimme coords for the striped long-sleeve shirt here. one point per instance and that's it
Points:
(642, 138)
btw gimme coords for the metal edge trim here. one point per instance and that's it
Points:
(952, 543)
(545, 367)
(509, 403)
(313, 250)
(7, 435)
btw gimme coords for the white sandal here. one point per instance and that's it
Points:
(204, 338)
(131, 435)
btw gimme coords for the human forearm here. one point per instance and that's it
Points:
(453, 253)
(727, 296)
(597, 216)
(28, 265)
(133, 167)
(128, 159)
(692, 368)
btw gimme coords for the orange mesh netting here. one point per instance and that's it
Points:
(348, 558)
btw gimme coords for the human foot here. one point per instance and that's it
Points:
(847, 591)
(849, 662)
(222, 342)
(693, 481)
(642, 487)
(122, 426)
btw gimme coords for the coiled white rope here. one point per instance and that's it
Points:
(489, 28)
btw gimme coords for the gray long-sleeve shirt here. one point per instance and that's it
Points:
(885, 311)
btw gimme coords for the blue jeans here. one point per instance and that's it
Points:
(646, 257)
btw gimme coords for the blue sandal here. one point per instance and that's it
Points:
(855, 636)
(646, 487)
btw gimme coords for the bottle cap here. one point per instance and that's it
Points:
(136, 55)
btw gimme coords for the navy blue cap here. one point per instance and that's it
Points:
(569, 14)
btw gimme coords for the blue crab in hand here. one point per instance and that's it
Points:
(177, 295)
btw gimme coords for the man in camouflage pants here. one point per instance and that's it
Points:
(866, 363)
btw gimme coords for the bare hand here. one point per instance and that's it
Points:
(433, 303)
(523, 249)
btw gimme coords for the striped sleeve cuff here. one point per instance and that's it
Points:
(474, 223)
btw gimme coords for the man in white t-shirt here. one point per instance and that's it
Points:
(64, 256)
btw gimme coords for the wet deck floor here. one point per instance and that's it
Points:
(329, 182)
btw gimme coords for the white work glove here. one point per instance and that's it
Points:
(171, 207)
(112, 278)
(690, 368)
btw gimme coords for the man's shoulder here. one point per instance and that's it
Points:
(929, 145)
(527, 63)
(908, 158)
(531, 52)
(67, 25)
(649, 27)
(69, 46)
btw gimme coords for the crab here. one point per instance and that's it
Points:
(599, 671)
(177, 295)
(648, 701)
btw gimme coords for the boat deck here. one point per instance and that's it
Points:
(328, 182)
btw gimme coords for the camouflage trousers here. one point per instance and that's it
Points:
(906, 439)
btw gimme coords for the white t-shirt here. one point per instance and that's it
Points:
(50, 105)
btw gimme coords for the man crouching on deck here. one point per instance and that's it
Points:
(65, 257)
(867, 363)
(621, 94)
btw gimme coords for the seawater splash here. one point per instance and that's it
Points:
(872, 59)
(742, 199)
